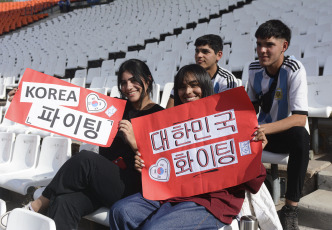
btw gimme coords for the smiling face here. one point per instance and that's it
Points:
(190, 89)
(131, 89)
(207, 58)
(270, 53)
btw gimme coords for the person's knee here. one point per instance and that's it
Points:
(299, 136)
(118, 214)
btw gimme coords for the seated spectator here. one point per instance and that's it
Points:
(206, 211)
(88, 181)
(278, 86)
(207, 54)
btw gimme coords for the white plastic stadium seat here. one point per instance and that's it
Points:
(55, 151)
(166, 93)
(3, 207)
(21, 218)
(319, 96)
(156, 93)
(26, 150)
(6, 147)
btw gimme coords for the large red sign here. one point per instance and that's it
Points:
(57, 106)
(199, 147)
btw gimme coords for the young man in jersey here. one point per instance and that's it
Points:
(278, 85)
(207, 54)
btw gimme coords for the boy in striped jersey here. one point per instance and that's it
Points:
(207, 54)
(278, 85)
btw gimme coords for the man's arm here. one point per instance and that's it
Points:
(284, 124)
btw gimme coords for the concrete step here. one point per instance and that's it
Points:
(315, 210)
(324, 179)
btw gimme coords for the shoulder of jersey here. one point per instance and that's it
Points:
(292, 64)
(255, 65)
(224, 72)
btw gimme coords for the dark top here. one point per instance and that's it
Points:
(119, 147)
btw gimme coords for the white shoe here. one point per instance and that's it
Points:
(4, 217)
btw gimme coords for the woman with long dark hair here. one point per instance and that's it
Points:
(205, 211)
(88, 181)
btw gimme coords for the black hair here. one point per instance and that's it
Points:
(199, 73)
(212, 40)
(140, 71)
(274, 28)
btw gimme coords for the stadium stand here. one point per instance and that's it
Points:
(71, 45)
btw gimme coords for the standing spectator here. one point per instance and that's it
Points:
(278, 85)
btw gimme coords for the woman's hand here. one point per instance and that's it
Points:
(139, 163)
(127, 129)
(11, 94)
(259, 135)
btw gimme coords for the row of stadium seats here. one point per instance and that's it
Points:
(24, 162)
(14, 15)
(115, 27)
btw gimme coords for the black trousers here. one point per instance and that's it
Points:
(86, 182)
(294, 141)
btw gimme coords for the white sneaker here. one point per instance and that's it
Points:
(4, 217)
(29, 207)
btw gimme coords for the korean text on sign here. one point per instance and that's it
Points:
(204, 158)
(63, 120)
(193, 131)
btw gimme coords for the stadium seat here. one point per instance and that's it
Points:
(166, 94)
(328, 66)
(99, 90)
(107, 68)
(25, 154)
(320, 49)
(303, 41)
(6, 124)
(115, 92)
(79, 81)
(311, 65)
(239, 58)
(3, 207)
(294, 50)
(92, 72)
(155, 93)
(20, 218)
(319, 96)
(6, 147)
(98, 82)
(245, 74)
(55, 151)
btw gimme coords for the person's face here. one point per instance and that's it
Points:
(206, 57)
(131, 88)
(270, 52)
(189, 90)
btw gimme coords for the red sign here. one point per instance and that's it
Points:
(57, 106)
(199, 147)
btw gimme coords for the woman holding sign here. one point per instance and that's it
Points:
(88, 180)
(206, 211)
